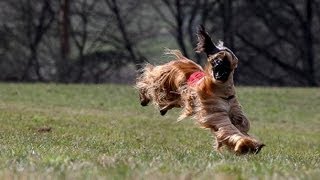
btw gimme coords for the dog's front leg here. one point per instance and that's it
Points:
(237, 117)
(216, 144)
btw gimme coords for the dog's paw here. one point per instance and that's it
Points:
(163, 112)
(248, 146)
(144, 102)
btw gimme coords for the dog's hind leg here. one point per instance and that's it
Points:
(144, 100)
(172, 104)
(143, 85)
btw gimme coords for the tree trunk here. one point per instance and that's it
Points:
(228, 30)
(64, 40)
(191, 32)
(308, 39)
(179, 30)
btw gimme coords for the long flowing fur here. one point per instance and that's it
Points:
(211, 102)
(162, 84)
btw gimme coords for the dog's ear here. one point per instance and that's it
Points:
(205, 43)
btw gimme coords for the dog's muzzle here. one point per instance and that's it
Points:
(221, 69)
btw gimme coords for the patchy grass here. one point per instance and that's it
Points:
(100, 131)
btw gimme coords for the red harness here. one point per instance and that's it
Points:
(195, 77)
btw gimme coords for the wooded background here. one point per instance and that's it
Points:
(101, 41)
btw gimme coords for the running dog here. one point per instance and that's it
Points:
(208, 95)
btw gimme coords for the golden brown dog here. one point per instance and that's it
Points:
(206, 94)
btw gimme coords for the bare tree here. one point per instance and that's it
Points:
(182, 18)
(32, 22)
(88, 41)
(92, 63)
(286, 40)
(82, 11)
(122, 25)
(176, 20)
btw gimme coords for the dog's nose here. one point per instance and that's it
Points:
(258, 149)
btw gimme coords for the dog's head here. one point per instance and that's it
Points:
(222, 61)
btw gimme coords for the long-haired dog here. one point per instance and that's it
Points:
(206, 94)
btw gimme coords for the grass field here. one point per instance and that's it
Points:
(50, 131)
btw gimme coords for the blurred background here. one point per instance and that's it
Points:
(106, 41)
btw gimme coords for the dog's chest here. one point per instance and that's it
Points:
(213, 105)
(212, 110)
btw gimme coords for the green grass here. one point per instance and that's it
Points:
(100, 131)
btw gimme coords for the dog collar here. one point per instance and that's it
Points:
(195, 77)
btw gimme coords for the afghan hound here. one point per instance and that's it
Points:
(208, 95)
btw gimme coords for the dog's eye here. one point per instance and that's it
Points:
(217, 62)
